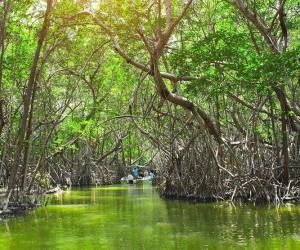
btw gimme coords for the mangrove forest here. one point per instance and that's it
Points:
(149, 124)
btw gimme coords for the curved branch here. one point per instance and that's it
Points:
(252, 16)
(183, 102)
(128, 59)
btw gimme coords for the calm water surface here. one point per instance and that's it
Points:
(134, 217)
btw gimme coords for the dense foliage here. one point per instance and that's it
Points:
(207, 92)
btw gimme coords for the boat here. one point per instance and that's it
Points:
(135, 177)
(147, 179)
(125, 180)
(139, 180)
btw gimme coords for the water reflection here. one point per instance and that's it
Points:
(134, 217)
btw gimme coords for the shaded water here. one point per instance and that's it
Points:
(134, 217)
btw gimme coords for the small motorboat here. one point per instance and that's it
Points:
(138, 175)
(146, 179)
(126, 180)
(139, 180)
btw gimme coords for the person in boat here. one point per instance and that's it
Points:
(141, 175)
(151, 173)
(146, 173)
(130, 178)
(135, 172)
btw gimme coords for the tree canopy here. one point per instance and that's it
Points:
(206, 92)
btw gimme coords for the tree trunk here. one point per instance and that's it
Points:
(6, 9)
(285, 153)
(26, 105)
(2, 122)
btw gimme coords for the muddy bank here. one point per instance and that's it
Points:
(17, 209)
(29, 202)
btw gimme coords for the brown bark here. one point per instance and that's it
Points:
(6, 6)
(183, 102)
(281, 17)
(27, 144)
(286, 107)
(169, 12)
(297, 146)
(3, 34)
(285, 153)
(2, 122)
(274, 130)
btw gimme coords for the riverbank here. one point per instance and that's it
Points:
(241, 190)
(281, 195)
(31, 201)
(17, 209)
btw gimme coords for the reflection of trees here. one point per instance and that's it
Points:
(226, 223)
(136, 218)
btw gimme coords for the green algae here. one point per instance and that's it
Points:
(135, 217)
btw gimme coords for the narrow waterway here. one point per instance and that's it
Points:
(134, 217)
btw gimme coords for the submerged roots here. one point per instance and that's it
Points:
(238, 173)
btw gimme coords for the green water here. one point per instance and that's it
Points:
(134, 217)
